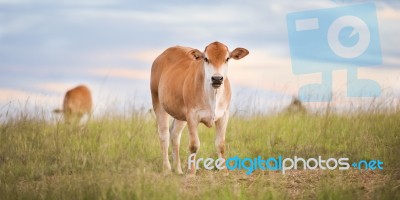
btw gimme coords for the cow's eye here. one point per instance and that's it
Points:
(206, 60)
(227, 59)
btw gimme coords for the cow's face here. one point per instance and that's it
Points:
(215, 62)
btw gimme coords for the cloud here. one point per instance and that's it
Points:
(18, 24)
(59, 88)
(14, 2)
(147, 56)
(170, 14)
(22, 98)
(116, 55)
(388, 13)
(261, 69)
(10, 95)
(138, 74)
(62, 2)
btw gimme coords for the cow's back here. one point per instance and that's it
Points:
(78, 101)
(168, 74)
(168, 59)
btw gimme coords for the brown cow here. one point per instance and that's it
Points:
(192, 87)
(77, 102)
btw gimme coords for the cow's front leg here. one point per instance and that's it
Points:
(194, 144)
(220, 126)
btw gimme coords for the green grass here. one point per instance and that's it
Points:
(117, 157)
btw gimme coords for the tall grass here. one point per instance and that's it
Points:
(118, 157)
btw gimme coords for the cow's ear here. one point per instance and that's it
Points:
(196, 54)
(239, 53)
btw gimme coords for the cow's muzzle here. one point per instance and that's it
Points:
(216, 81)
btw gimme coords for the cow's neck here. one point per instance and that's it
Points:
(213, 97)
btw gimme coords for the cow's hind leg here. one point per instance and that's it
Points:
(176, 132)
(163, 133)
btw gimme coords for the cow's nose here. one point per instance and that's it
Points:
(217, 79)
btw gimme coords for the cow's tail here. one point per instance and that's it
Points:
(58, 111)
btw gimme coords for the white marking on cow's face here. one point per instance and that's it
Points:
(212, 71)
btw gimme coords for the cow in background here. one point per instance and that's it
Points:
(77, 103)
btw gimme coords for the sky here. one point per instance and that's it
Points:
(48, 47)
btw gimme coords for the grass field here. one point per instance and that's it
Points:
(118, 157)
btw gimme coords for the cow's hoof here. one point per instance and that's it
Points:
(179, 171)
(190, 175)
(167, 172)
